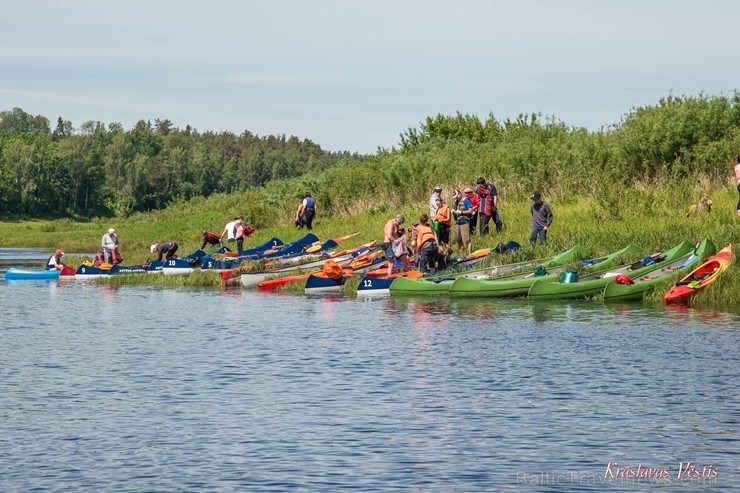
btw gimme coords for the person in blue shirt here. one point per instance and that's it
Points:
(463, 211)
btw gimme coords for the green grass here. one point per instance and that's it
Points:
(651, 218)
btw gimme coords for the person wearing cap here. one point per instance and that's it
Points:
(463, 212)
(541, 219)
(392, 234)
(488, 199)
(166, 249)
(436, 193)
(109, 245)
(55, 261)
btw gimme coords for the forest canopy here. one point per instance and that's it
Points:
(99, 169)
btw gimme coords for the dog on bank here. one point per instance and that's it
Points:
(704, 205)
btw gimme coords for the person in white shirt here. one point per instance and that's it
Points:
(109, 243)
(229, 230)
(55, 261)
(436, 193)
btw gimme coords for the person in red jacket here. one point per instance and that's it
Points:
(210, 238)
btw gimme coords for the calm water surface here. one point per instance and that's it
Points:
(142, 389)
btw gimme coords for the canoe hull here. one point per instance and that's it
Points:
(439, 285)
(699, 278)
(371, 285)
(176, 267)
(594, 283)
(320, 284)
(20, 274)
(649, 281)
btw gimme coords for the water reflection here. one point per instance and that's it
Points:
(186, 389)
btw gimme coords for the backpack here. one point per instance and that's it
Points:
(332, 270)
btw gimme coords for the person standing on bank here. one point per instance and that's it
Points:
(426, 245)
(239, 235)
(167, 248)
(737, 177)
(306, 212)
(109, 244)
(541, 219)
(463, 212)
(392, 235)
(55, 261)
(229, 231)
(488, 199)
(443, 217)
(436, 193)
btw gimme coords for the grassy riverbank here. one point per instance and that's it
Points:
(652, 218)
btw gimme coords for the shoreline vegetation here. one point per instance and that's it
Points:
(632, 182)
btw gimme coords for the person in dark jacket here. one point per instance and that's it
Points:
(306, 212)
(541, 219)
(167, 248)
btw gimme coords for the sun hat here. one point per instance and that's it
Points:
(468, 190)
(59, 252)
(455, 193)
(111, 231)
(437, 189)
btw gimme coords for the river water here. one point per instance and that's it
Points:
(143, 389)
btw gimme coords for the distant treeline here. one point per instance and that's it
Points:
(687, 139)
(104, 170)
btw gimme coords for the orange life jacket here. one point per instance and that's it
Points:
(424, 234)
(443, 215)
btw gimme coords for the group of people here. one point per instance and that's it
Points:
(430, 244)
(108, 252)
(471, 208)
(235, 230)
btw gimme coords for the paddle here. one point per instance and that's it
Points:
(317, 246)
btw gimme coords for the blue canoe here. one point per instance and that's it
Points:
(319, 284)
(293, 248)
(20, 274)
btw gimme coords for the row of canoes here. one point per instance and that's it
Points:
(273, 250)
(552, 278)
(544, 278)
(371, 263)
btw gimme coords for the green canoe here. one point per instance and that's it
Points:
(441, 284)
(593, 284)
(518, 285)
(647, 281)
(515, 284)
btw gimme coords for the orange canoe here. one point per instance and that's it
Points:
(699, 278)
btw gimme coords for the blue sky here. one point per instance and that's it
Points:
(353, 75)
